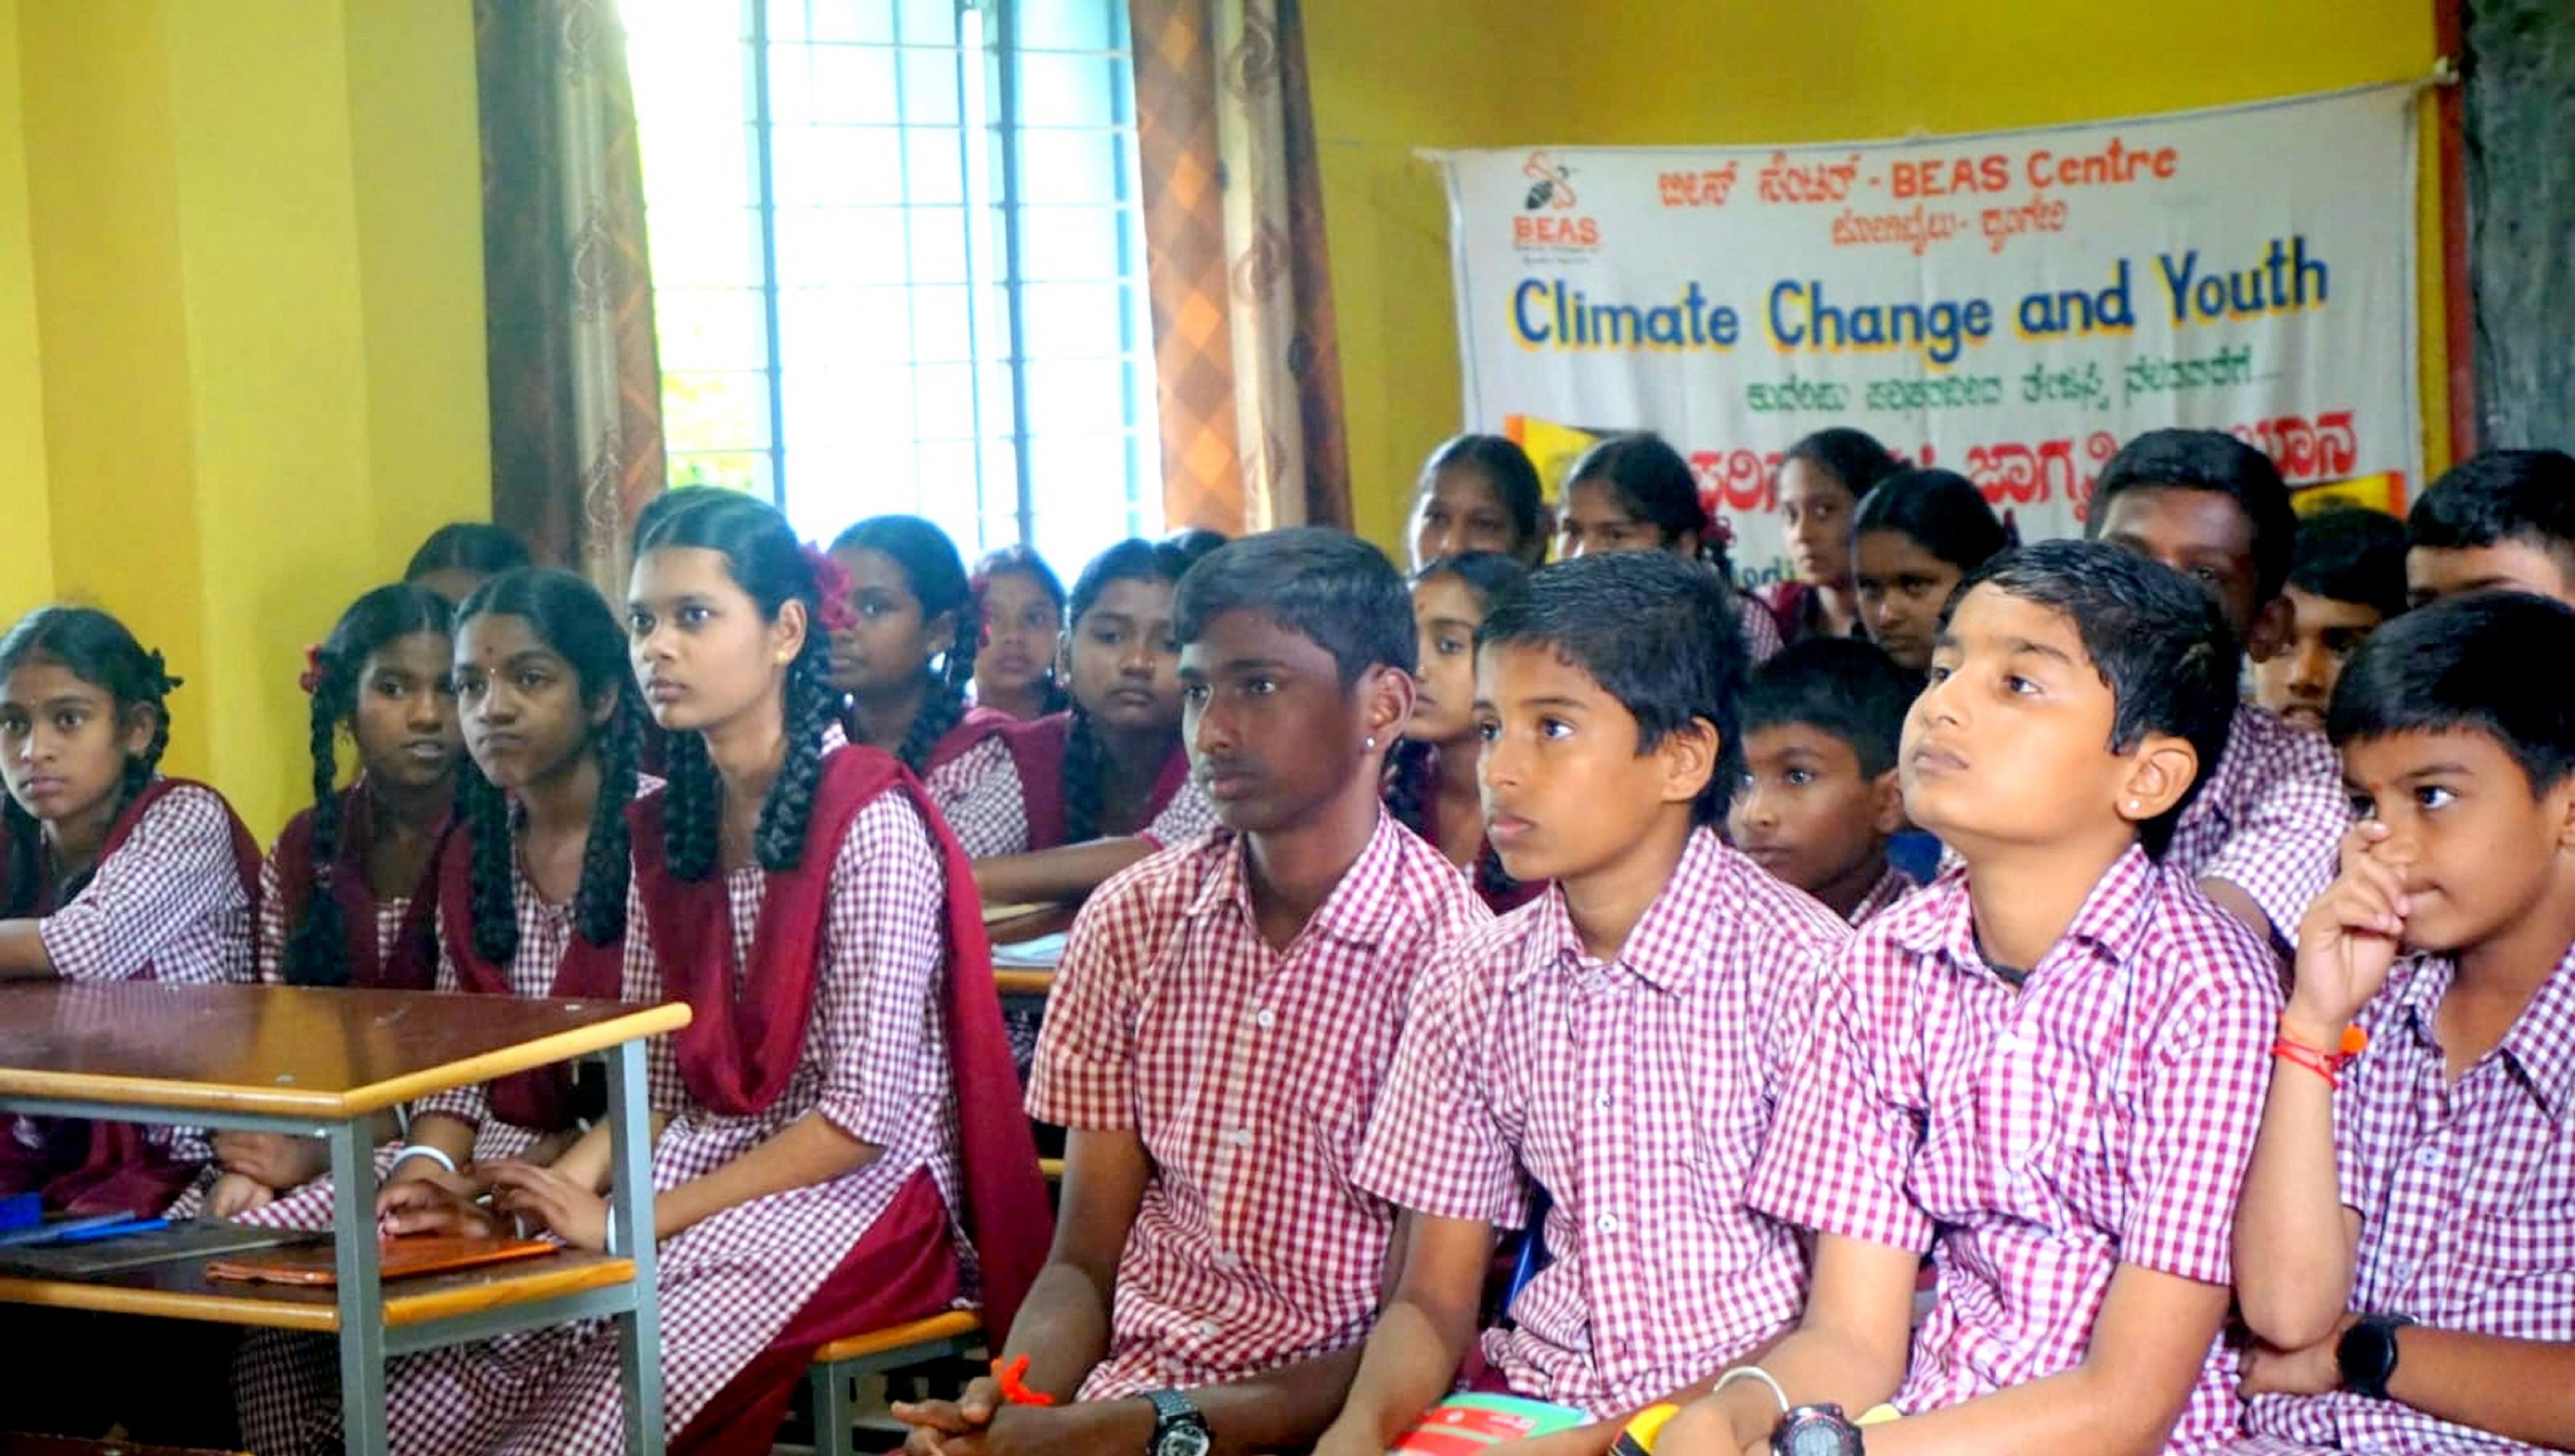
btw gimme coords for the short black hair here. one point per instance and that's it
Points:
(467, 546)
(2208, 460)
(1839, 685)
(1325, 584)
(2463, 665)
(2352, 554)
(2159, 643)
(1655, 632)
(1940, 511)
(2503, 495)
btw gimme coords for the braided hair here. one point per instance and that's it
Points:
(1086, 757)
(764, 557)
(96, 648)
(1412, 780)
(566, 614)
(938, 577)
(317, 950)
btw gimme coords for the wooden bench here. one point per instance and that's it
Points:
(897, 1347)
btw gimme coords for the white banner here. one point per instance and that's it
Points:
(2011, 306)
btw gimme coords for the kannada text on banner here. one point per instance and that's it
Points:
(2013, 306)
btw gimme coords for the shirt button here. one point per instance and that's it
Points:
(1239, 1136)
(1607, 1224)
(2402, 1274)
(1263, 1018)
(1208, 1329)
(1228, 1259)
(1602, 1101)
(2429, 1158)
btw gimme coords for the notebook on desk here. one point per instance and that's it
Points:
(401, 1258)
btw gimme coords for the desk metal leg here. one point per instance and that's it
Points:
(362, 1296)
(630, 1223)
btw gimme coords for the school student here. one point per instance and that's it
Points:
(840, 1111)
(2260, 832)
(348, 896)
(1049, 809)
(530, 901)
(2504, 520)
(1635, 492)
(2405, 1248)
(1914, 537)
(1433, 786)
(2045, 1069)
(463, 555)
(2346, 577)
(1478, 493)
(109, 873)
(1820, 800)
(908, 652)
(1616, 1043)
(1019, 601)
(1821, 481)
(1222, 1022)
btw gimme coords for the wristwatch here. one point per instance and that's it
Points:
(2366, 1354)
(1178, 1429)
(1816, 1430)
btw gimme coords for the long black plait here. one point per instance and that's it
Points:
(496, 907)
(945, 706)
(811, 708)
(1408, 787)
(689, 808)
(1085, 760)
(317, 950)
(26, 858)
(607, 860)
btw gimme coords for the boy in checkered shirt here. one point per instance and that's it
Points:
(2045, 1069)
(2405, 1250)
(2259, 833)
(1616, 1043)
(1223, 1016)
(1820, 800)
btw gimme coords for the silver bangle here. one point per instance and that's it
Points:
(424, 1150)
(1752, 1372)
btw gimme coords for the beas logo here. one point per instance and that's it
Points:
(1551, 196)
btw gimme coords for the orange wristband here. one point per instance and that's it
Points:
(2326, 1064)
(1014, 1380)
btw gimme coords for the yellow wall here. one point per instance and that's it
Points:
(1455, 73)
(255, 260)
(23, 500)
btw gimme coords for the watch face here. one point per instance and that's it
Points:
(1189, 1439)
(1809, 1432)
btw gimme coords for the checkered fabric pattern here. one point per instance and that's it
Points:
(875, 1066)
(1892, 888)
(2269, 819)
(1249, 1074)
(2035, 1140)
(274, 932)
(2466, 1195)
(1636, 1092)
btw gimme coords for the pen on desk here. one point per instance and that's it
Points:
(45, 1234)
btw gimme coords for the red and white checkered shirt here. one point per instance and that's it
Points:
(169, 901)
(1249, 1076)
(2270, 819)
(274, 932)
(980, 794)
(1882, 896)
(2466, 1195)
(2035, 1140)
(1760, 629)
(1636, 1092)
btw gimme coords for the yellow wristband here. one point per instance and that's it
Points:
(1880, 1415)
(1643, 1427)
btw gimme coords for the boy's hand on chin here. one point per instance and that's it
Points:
(2348, 941)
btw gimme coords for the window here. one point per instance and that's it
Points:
(899, 262)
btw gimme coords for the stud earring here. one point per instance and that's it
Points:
(1371, 740)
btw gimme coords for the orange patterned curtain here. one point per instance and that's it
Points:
(574, 380)
(1245, 347)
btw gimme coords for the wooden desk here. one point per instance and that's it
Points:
(310, 1063)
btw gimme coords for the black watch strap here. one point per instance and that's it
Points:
(1170, 1406)
(2366, 1354)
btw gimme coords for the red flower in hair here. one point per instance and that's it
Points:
(830, 591)
(311, 681)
